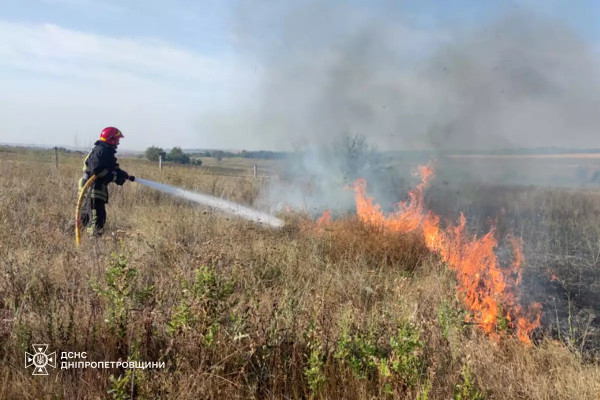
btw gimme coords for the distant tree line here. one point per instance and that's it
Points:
(176, 155)
(263, 154)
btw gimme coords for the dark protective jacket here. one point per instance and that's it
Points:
(101, 161)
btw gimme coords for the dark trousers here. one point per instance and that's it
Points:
(93, 216)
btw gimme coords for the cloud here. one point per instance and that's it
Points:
(56, 51)
(48, 67)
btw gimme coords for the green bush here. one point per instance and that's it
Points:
(205, 302)
(314, 370)
(467, 389)
(359, 351)
(177, 155)
(407, 358)
(153, 153)
(120, 292)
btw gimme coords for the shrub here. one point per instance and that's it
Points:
(467, 389)
(177, 155)
(153, 153)
(120, 292)
(205, 302)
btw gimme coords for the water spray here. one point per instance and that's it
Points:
(216, 202)
(211, 201)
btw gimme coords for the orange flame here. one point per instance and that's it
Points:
(324, 220)
(553, 277)
(408, 215)
(487, 289)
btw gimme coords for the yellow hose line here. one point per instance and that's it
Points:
(84, 189)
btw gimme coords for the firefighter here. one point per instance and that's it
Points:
(101, 161)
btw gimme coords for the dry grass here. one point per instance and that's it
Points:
(238, 311)
(527, 156)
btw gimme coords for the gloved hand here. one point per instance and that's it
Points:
(120, 177)
(131, 178)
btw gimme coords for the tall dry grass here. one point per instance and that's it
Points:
(239, 311)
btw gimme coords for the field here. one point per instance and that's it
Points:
(234, 310)
(242, 166)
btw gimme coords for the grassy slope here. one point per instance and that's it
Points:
(235, 310)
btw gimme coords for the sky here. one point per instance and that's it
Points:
(279, 75)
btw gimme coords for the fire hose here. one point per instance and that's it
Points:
(207, 200)
(82, 195)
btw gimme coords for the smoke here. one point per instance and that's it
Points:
(523, 82)
(327, 70)
(334, 70)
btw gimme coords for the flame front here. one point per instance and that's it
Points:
(487, 289)
(408, 215)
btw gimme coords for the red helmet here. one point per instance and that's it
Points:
(111, 135)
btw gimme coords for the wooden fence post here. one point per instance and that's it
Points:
(255, 171)
(160, 162)
(56, 157)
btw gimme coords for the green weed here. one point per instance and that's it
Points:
(205, 301)
(120, 292)
(467, 389)
(314, 370)
(407, 359)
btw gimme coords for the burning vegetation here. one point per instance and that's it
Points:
(488, 289)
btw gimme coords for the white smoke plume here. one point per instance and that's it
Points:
(333, 68)
(330, 70)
